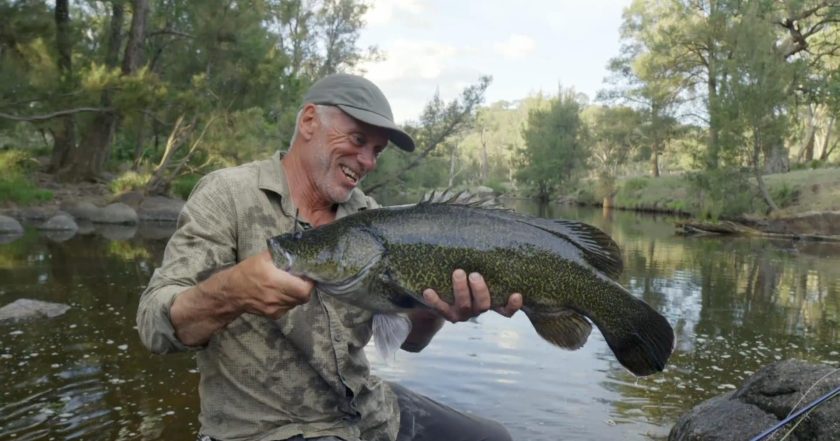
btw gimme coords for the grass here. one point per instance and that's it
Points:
(15, 187)
(729, 194)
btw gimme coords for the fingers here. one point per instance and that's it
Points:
(514, 304)
(471, 297)
(480, 294)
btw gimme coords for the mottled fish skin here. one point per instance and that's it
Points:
(383, 259)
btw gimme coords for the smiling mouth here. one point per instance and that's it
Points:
(351, 175)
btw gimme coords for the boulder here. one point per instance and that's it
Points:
(116, 213)
(80, 210)
(60, 222)
(37, 213)
(762, 401)
(10, 226)
(28, 309)
(160, 209)
(131, 198)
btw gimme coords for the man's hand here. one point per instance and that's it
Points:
(472, 298)
(254, 285)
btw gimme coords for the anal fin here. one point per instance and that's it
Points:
(564, 328)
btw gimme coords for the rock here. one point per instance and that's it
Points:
(159, 208)
(10, 226)
(81, 210)
(131, 198)
(60, 222)
(766, 398)
(116, 213)
(37, 213)
(27, 309)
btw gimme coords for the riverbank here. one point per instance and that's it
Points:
(808, 200)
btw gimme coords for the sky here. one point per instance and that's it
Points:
(527, 46)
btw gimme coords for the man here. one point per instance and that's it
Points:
(278, 360)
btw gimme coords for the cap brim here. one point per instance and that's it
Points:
(395, 134)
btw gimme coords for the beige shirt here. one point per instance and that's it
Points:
(262, 379)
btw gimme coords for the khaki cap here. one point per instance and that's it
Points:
(362, 100)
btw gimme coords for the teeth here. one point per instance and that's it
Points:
(350, 174)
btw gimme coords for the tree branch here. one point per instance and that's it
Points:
(47, 116)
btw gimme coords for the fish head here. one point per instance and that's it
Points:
(328, 254)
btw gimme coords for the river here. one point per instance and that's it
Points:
(736, 304)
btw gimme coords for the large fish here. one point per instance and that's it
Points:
(383, 259)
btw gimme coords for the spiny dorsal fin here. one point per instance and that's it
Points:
(462, 197)
(598, 248)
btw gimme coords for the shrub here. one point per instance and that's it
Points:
(14, 185)
(129, 181)
(183, 186)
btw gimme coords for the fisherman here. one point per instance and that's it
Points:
(278, 361)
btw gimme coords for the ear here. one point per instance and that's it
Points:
(308, 122)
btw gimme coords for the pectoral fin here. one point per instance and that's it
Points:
(389, 333)
(565, 328)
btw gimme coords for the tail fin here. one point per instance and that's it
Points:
(642, 340)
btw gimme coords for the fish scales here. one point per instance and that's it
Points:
(383, 259)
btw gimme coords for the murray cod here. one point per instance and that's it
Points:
(383, 259)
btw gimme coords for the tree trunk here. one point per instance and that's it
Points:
(64, 138)
(87, 161)
(452, 164)
(713, 147)
(825, 145)
(806, 152)
(762, 187)
(654, 161)
(776, 157)
(485, 168)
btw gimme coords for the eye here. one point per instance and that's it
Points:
(358, 139)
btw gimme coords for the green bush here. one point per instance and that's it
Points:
(20, 190)
(15, 187)
(183, 186)
(784, 195)
(129, 181)
(722, 193)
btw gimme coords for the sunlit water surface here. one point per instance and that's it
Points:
(736, 305)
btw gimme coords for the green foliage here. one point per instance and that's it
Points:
(15, 187)
(555, 150)
(129, 181)
(183, 186)
(784, 195)
(723, 193)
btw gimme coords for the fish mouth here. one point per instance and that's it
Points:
(276, 251)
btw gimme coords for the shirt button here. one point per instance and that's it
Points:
(337, 338)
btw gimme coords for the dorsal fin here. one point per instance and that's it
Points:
(598, 248)
(462, 197)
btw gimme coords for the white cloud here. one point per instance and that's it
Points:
(413, 70)
(516, 46)
(410, 59)
(384, 12)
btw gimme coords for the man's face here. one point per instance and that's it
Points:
(344, 150)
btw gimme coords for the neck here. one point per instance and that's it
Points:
(313, 207)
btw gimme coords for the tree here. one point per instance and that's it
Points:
(616, 134)
(555, 146)
(440, 123)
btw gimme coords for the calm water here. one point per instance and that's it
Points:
(736, 305)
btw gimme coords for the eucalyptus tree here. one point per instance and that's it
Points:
(556, 148)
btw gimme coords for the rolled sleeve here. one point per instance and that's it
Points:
(203, 241)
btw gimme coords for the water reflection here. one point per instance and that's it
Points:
(736, 305)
